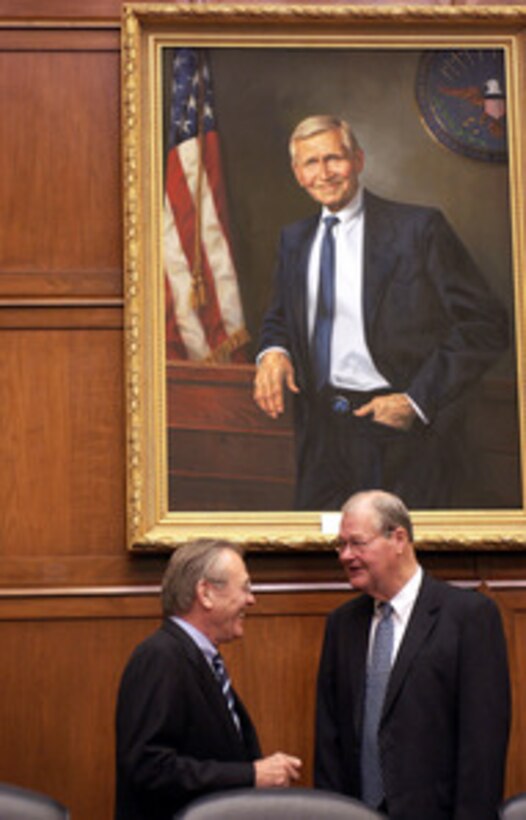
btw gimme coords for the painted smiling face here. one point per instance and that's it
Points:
(327, 169)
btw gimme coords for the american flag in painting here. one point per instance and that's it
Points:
(204, 316)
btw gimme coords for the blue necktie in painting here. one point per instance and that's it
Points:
(321, 341)
(378, 672)
(226, 687)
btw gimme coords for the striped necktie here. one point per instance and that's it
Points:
(226, 687)
(378, 672)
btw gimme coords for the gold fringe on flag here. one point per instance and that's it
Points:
(221, 354)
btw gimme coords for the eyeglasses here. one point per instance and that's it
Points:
(358, 544)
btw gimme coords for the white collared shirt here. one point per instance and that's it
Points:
(352, 366)
(199, 638)
(402, 603)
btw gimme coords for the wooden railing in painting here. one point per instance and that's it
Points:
(223, 452)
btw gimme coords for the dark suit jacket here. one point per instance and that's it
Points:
(445, 723)
(431, 322)
(175, 736)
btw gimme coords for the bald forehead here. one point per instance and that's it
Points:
(228, 560)
(361, 507)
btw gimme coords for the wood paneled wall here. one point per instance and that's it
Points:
(62, 655)
(73, 603)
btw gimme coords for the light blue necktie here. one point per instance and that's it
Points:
(378, 672)
(322, 335)
(226, 688)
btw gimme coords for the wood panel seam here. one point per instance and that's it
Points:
(259, 588)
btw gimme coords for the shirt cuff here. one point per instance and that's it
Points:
(421, 415)
(263, 353)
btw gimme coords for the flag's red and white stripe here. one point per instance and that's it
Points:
(194, 209)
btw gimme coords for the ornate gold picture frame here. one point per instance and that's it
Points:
(202, 458)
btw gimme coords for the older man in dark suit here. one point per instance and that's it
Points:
(379, 324)
(181, 729)
(413, 705)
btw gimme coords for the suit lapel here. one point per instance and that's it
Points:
(422, 620)
(300, 248)
(379, 256)
(358, 659)
(205, 679)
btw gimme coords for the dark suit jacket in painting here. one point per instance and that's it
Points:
(175, 737)
(432, 324)
(445, 723)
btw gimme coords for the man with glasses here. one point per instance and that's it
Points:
(413, 702)
(182, 731)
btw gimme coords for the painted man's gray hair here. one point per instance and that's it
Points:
(318, 124)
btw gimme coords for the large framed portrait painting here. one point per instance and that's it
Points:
(222, 222)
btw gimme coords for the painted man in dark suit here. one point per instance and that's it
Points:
(443, 728)
(181, 729)
(413, 326)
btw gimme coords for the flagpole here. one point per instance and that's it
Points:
(198, 295)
